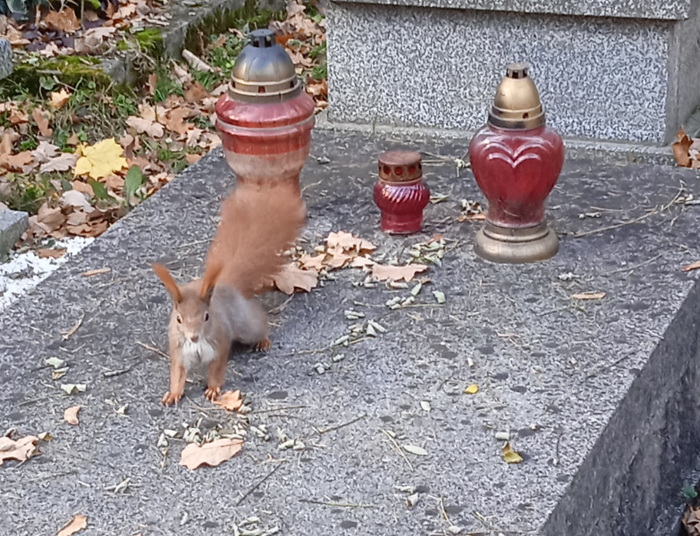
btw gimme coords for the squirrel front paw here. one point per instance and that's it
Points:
(171, 398)
(263, 345)
(212, 393)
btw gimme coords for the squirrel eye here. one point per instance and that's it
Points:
(206, 317)
(179, 319)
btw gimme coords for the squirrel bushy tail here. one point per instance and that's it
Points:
(257, 224)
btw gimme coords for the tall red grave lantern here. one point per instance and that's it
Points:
(516, 160)
(266, 118)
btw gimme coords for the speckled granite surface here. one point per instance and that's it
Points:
(600, 397)
(600, 78)
(5, 58)
(641, 9)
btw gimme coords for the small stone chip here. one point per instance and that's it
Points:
(412, 500)
(338, 358)
(439, 296)
(425, 405)
(377, 326)
(319, 368)
(502, 436)
(371, 332)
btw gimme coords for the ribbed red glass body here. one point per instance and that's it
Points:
(516, 170)
(401, 205)
(266, 141)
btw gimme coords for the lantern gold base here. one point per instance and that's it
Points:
(516, 246)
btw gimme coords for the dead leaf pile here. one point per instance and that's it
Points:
(303, 35)
(59, 32)
(471, 211)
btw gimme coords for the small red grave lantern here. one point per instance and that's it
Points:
(400, 193)
(266, 118)
(516, 160)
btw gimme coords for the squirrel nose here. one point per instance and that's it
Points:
(194, 338)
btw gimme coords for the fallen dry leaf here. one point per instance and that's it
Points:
(48, 253)
(211, 454)
(42, 121)
(196, 93)
(97, 271)
(588, 296)
(479, 216)
(20, 450)
(292, 277)
(17, 117)
(45, 151)
(61, 21)
(78, 523)
(509, 455)
(71, 415)
(681, 148)
(17, 162)
(230, 400)
(397, 273)
(146, 126)
(692, 266)
(58, 99)
(75, 200)
(62, 162)
(175, 120)
(101, 159)
(52, 218)
(348, 242)
(73, 140)
(9, 137)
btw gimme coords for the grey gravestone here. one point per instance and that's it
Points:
(5, 58)
(605, 70)
(12, 225)
(599, 397)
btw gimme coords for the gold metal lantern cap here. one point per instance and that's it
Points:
(263, 72)
(517, 105)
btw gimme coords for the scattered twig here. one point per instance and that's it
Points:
(617, 225)
(256, 486)
(153, 349)
(113, 373)
(632, 268)
(609, 366)
(397, 448)
(195, 62)
(337, 505)
(333, 428)
(277, 310)
(67, 334)
(283, 408)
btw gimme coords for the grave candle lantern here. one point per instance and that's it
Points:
(266, 118)
(516, 160)
(400, 192)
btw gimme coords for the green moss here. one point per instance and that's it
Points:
(221, 20)
(68, 70)
(150, 41)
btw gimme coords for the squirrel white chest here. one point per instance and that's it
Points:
(197, 353)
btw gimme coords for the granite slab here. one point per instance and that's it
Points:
(598, 396)
(12, 224)
(638, 9)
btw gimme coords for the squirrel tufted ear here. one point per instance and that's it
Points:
(167, 279)
(209, 281)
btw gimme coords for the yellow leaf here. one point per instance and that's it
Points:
(509, 455)
(101, 159)
(472, 389)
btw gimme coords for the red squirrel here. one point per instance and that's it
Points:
(210, 314)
